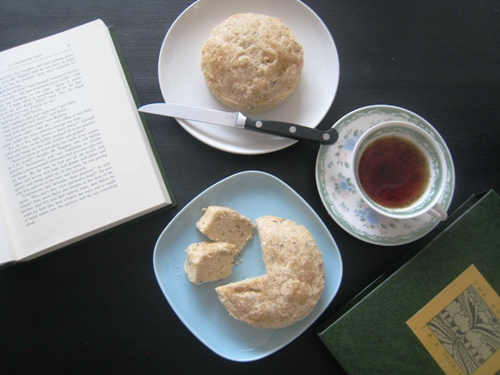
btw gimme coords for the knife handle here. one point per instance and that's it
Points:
(299, 132)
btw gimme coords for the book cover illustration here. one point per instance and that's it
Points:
(460, 327)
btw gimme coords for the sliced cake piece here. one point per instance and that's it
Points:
(209, 261)
(222, 224)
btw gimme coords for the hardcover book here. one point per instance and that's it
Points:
(76, 157)
(437, 311)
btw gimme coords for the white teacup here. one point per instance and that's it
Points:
(400, 171)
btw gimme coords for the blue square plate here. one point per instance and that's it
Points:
(253, 194)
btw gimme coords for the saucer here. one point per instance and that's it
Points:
(334, 179)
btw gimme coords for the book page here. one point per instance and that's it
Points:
(7, 250)
(75, 156)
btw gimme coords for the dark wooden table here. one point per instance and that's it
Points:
(96, 307)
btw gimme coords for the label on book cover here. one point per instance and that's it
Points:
(460, 327)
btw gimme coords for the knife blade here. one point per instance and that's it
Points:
(238, 120)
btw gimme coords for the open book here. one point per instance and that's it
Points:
(75, 155)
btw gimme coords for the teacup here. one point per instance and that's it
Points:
(400, 171)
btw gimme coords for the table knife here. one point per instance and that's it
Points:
(238, 120)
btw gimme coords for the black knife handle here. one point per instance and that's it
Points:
(298, 132)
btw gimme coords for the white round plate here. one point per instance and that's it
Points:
(182, 81)
(334, 177)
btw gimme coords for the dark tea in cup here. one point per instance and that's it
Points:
(400, 171)
(393, 172)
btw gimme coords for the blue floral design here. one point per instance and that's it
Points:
(368, 216)
(350, 142)
(343, 155)
(344, 186)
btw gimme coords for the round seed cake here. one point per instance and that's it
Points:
(292, 285)
(252, 62)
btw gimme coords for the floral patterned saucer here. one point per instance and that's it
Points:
(334, 177)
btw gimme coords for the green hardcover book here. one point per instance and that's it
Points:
(437, 311)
